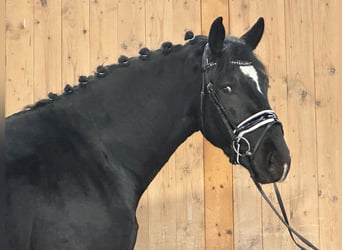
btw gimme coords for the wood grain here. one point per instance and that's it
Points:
(2, 60)
(103, 32)
(328, 89)
(19, 55)
(303, 195)
(75, 40)
(46, 45)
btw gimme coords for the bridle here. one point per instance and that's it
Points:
(264, 119)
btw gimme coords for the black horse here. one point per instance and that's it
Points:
(77, 163)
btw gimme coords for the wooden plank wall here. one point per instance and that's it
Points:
(2, 60)
(199, 201)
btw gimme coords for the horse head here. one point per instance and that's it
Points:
(236, 114)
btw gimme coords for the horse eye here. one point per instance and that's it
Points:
(227, 89)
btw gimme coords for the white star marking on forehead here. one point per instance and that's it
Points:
(250, 71)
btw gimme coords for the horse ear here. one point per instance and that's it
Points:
(217, 34)
(253, 36)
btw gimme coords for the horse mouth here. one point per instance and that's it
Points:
(286, 169)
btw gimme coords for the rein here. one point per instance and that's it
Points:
(266, 119)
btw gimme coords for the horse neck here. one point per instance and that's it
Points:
(151, 108)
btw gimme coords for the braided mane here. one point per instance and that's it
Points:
(103, 70)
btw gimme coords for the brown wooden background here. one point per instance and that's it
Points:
(198, 201)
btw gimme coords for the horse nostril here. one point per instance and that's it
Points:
(271, 161)
(277, 167)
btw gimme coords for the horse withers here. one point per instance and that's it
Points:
(78, 163)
